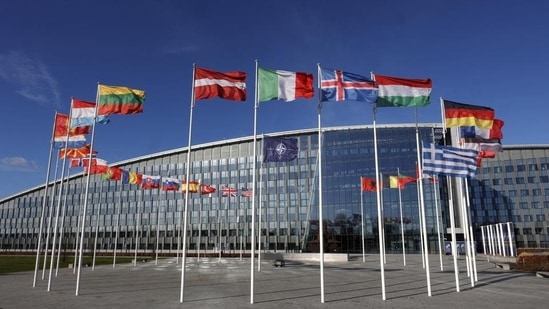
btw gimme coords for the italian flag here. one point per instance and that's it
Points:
(402, 92)
(284, 85)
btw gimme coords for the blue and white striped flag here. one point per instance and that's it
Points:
(451, 161)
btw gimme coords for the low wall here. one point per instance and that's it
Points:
(305, 257)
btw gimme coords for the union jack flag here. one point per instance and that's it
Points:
(228, 191)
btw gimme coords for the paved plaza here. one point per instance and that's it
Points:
(225, 283)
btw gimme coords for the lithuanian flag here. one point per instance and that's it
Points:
(120, 100)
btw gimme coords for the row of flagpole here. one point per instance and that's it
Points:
(465, 210)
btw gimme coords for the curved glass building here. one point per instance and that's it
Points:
(510, 188)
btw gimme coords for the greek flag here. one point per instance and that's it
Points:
(451, 161)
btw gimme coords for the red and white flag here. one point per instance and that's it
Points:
(228, 191)
(210, 84)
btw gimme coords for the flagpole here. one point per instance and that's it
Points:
(77, 239)
(53, 196)
(117, 226)
(379, 212)
(97, 226)
(44, 200)
(252, 256)
(382, 215)
(199, 221)
(157, 225)
(137, 225)
(260, 212)
(86, 197)
(187, 176)
(401, 218)
(451, 204)
(320, 218)
(437, 211)
(62, 228)
(362, 222)
(422, 207)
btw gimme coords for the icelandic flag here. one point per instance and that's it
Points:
(451, 161)
(337, 85)
(170, 184)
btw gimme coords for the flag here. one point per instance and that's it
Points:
(76, 136)
(337, 85)
(398, 92)
(113, 173)
(80, 152)
(206, 189)
(98, 166)
(459, 114)
(400, 181)
(475, 132)
(385, 181)
(279, 149)
(432, 179)
(247, 192)
(368, 184)
(83, 114)
(120, 100)
(170, 184)
(150, 182)
(192, 187)
(210, 84)
(284, 85)
(447, 160)
(228, 191)
(131, 177)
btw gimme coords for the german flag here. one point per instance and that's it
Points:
(460, 114)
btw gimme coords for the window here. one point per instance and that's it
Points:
(527, 231)
(508, 181)
(520, 180)
(496, 182)
(509, 168)
(540, 217)
(533, 167)
(528, 218)
(523, 205)
(524, 192)
(521, 168)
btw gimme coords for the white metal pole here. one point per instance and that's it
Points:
(187, 179)
(362, 222)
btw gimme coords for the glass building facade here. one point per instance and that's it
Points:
(511, 187)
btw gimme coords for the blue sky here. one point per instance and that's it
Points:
(492, 53)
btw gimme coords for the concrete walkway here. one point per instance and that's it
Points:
(226, 284)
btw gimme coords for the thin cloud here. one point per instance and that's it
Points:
(30, 78)
(17, 164)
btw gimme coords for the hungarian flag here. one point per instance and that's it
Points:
(210, 84)
(403, 92)
(284, 85)
(120, 100)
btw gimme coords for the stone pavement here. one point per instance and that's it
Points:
(211, 283)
